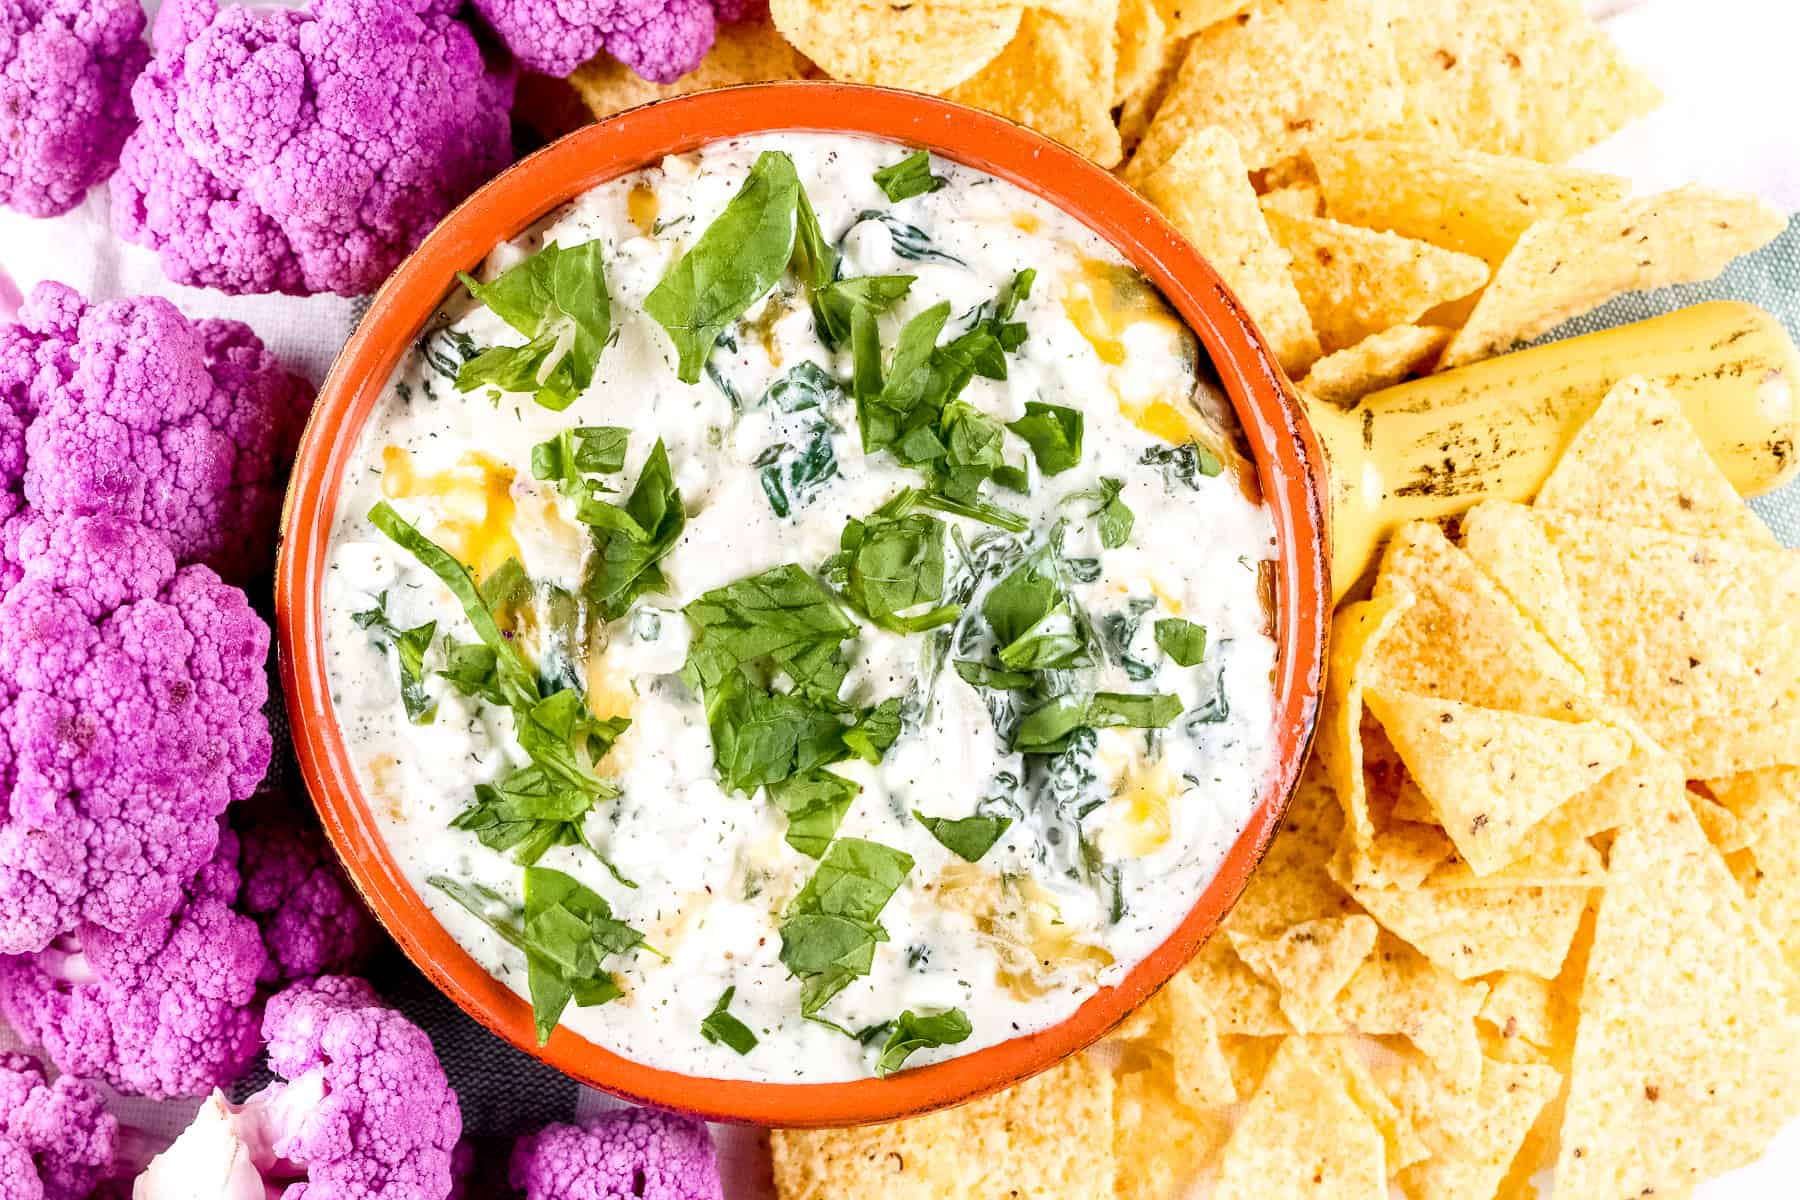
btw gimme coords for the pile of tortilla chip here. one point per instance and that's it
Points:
(1535, 906)
(1375, 179)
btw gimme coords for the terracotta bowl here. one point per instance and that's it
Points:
(1287, 459)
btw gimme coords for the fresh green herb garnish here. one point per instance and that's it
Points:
(814, 804)
(968, 837)
(761, 736)
(980, 674)
(874, 732)
(909, 177)
(630, 539)
(806, 385)
(1054, 434)
(1115, 516)
(582, 450)
(1183, 641)
(1048, 729)
(1031, 617)
(815, 258)
(1184, 464)
(835, 305)
(734, 263)
(783, 615)
(893, 561)
(719, 1026)
(792, 476)
(830, 931)
(409, 646)
(914, 1031)
(557, 299)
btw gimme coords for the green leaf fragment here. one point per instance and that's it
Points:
(909, 177)
(967, 837)
(814, 804)
(1183, 641)
(1054, 434)
(915, 1031)
(720, 1027)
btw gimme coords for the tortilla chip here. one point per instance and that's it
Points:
(1555, 857)
(1524, 1006)
(1279, 77)
(1533, 78)
(1459, 199)
(1140, 47)
(1017, 1142)
(1477, 931)
(1720, 824)
(1767, 806)
(1302, 1136)
(1510, 545)
(1399, 993)
(1293, 200)
(1204, 191)
(1159, 1143)
(1357, 633)
(1638, 461)
(1053, 78)
(1687, 1058)
(1291, 885)
(1378, 361)
(923, 47)
(1242, 1004)
(1400, 1141)
(1309, 963)
(1357, 282)
(743, 52)
(1474, 1131)
(1137, 108)
(1464, 639)
(1403, 855)
(1492, 775)
(1697, 638)
(1185, 17)
(1564, 266)
(1176, 1031)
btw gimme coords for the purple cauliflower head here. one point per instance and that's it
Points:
(289, 151)
(66, 69)
(56, 1139)
(622, 1155)
(661, 40)
(129, 409)
(312, 922)
(362, 1111)
(131, 697)
(167, 1009)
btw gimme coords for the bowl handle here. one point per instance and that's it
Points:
(1434, 447)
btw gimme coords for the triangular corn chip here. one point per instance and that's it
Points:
(1293, 200)
(1379, 360)
(924, 47)
(1510, 545)
(1534, 78)
(1398, 992)
(1187, 17)
(1687, 1059)
(1302, 1136)
(1241, 1003)
(1161, 1143)
(1140, 47)
(1400, 1141)
(1767, 806)
(1357, 632)
(1357, 282)
(1638, 461)
(1474, 1131)
(1022, 1134)
(1698, 639)
(1202, 187)
(1057, 77)
(1560, 861)
(1459, 199)
(1291, 884)
(1564, 266)
(1309, 964)
(1463, 639)
(1279, 77)
(1177, 1030)
(750, 51)
(1525, 1006)
(1491, 775)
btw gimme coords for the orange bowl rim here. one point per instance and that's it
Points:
(1289, 464)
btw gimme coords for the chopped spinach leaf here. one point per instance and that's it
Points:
(1031, 617)
(557, 298)
(979, 674)
(806, 385)
(1183, 641)
(909, 241)
(915, 1031)
(581, 450)
(791, 476)
(1214, 709)
(1115, 516)
(835, 305)
(874, 732)
(1120, 629)
(909, 177)
(1047, 729)
(630, 539)
(968, 837)
(1185, 464)
(815, 804)
(719, 1026)
(761, 736)
(1053, 433)
(830, 930)
(894, 561)
(782, 614)
(569, 931)
(409, 646)
(815, 258)
(735, 262)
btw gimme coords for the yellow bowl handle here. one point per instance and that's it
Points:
(1433, 448)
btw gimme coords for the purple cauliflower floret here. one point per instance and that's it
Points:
(129, 409)
(661, 40)
(56, 1139)
(167, 1009)
(627, 1154)
(312, 922)
(290, 151)
(362, 1111)
(131, 697)
(66, 70)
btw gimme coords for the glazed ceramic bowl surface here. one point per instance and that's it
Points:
(1287, 459)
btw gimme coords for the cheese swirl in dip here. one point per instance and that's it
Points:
(874, 695)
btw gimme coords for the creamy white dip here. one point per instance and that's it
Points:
(1110, 840)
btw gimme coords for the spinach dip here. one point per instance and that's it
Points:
(799, 613)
